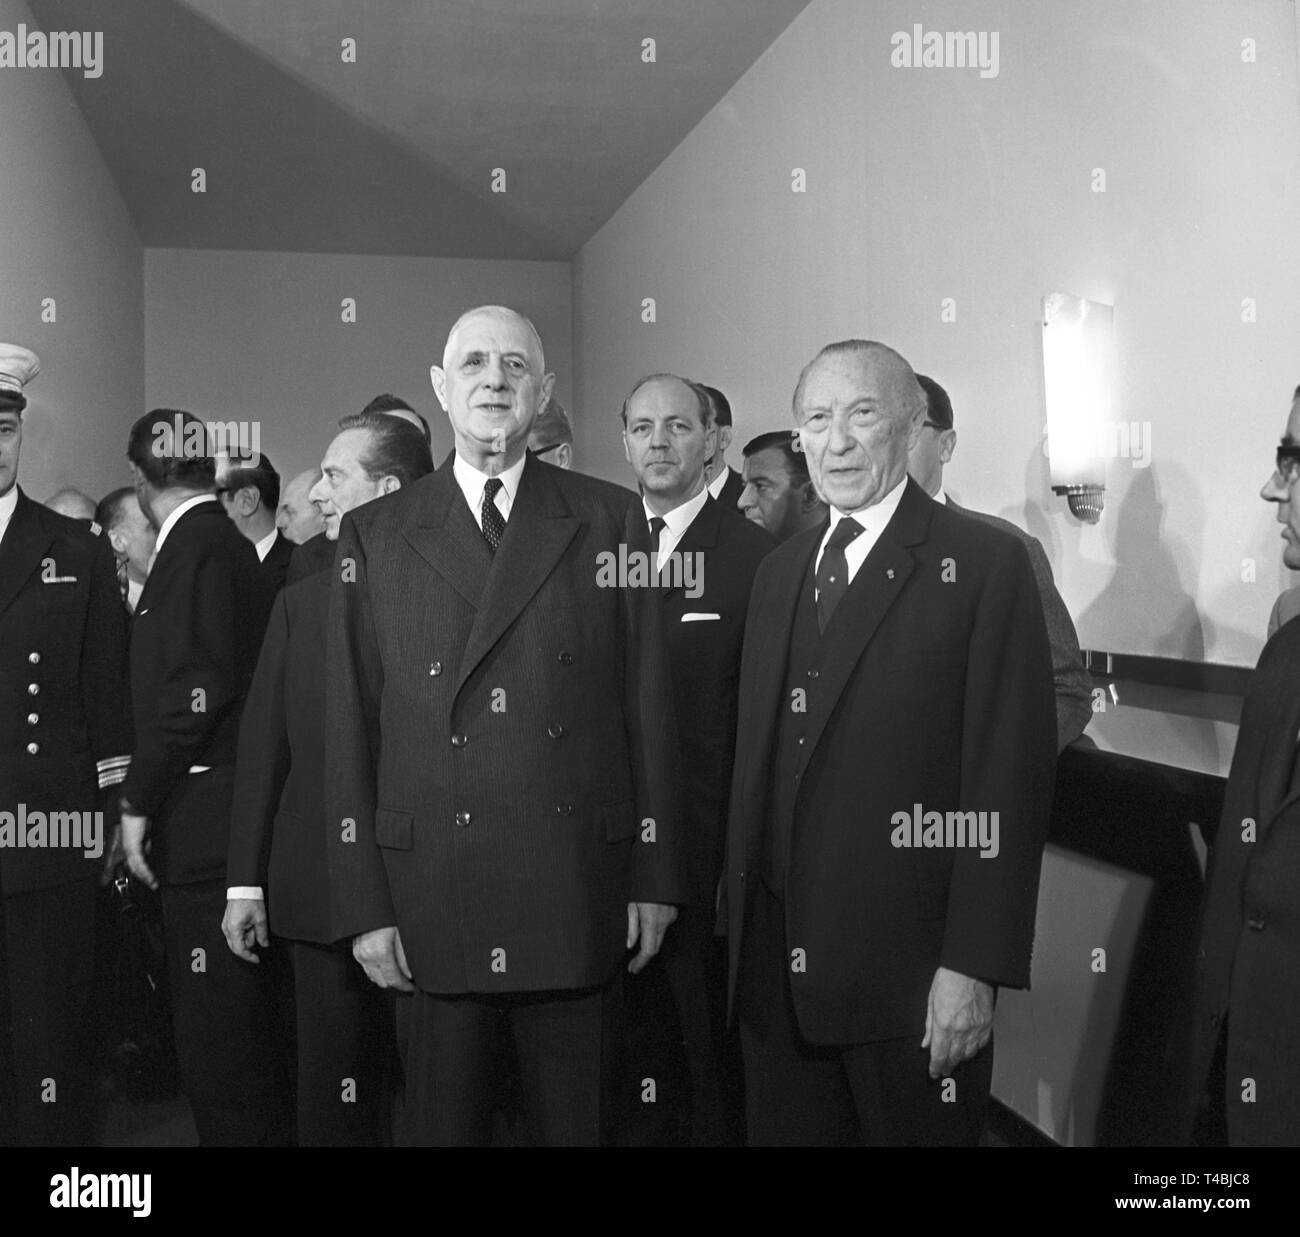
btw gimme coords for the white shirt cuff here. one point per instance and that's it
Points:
(252, 893)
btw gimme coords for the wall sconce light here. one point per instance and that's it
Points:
(1078, 378)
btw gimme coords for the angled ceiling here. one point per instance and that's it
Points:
(395, 154)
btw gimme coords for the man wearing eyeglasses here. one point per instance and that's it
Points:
(1287, 606)
(552, 436)
(1245, 1078)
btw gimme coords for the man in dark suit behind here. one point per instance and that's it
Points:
(65, 738)
(1247, 1011)
(500, 755)
(895, 674)
(724, 482)
(249, 489)
(277, 871)
(194, 643)
(708, 555)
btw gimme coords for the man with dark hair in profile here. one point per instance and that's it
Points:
(724, 482)
(249, 490)
(778, 494)
(194, 643)
(395, 406)
(1073, 683)
(277, 871)
(1287, 605)
(132, 538)
(552, 436)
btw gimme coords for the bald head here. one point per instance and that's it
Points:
(502, 313)
(668, 435)
(859, 410)
(72, 503)
(297, 518)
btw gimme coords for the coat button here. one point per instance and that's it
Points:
(33, 689)
(555, 730)
(463, 819)
(801, 740)
(33, 749)
(564, 809)
(1256, 924)
(565, 659)
(33, 718)
(459, 740)
(436, 668)
(34, 658)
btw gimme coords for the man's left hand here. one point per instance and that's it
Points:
(647, 922)
(135, 834)
(958, 1020)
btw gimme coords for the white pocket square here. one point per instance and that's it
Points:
(699, 618)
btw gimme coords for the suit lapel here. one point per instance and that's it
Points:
(448, 538)
(875, 588)
(701, 535)
(537, 534)
(1278, 756)
(26, 540)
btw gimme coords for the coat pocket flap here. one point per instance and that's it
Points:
(394, 829)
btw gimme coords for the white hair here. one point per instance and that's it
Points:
(502, 311)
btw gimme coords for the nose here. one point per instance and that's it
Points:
(839, 439)
(659, 435)
(317, 492)
(494, 375)
(748, 498)
(1272, 491)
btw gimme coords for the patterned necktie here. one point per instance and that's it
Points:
(833, 571)
(494, 523)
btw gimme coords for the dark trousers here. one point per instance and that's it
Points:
(563, 1043)
(229, 1036)
(874, 1094)
(347, 1053)
(48, 951)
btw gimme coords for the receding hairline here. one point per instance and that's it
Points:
(860, 347)
(496, 311)
(704, 406)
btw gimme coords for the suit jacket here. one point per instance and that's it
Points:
(275, 566)
(704, 659)
(1073, 682)
(937, 692)
(65, 730)
(1285, 608)
(277, 819)
(733, 489)
(501, 754)
(1250, 934)
(194, 642)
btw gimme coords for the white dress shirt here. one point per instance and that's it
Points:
(719, 483)
(472, 481)
(676, 522)
(942, 498)
(133, 591)
(170, 522)
(873, 520)
(8, 504)
(263, 547)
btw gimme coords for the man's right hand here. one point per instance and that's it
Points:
(383, 959)
(244, 925)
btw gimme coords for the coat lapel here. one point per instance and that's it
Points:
(25, 542)
(448, 538)
(877, 585)
(537, 534)
(1278, 757)
(701, 535)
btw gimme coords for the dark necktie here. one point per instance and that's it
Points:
(494, 523)
(657, 526)
(833, 571)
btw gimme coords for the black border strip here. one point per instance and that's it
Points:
(1195, 676)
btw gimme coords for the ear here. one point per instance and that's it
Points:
(564, 455)
(548, 388)
(807, 497)
(627, 455)
(724, 438)
(439, 379)
(947, 445)
(390, 483)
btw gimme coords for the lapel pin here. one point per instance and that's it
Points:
(889, 571)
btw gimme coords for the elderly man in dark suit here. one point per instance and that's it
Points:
(65, 738)
(279, 880)
(894, 771)
(933, 449)
(668, 434)
(194, 643)
(500, 754)
(1247, 1010)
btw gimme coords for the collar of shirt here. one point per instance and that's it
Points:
(873, 520)
(263, 547)
(677, 521)
(471, 483)
(942, 498)
(719, 482)
(8, 505)
(170, 522)
(133, 591)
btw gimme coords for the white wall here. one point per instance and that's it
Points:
(65, 234)
(260, 336)
(924, 184)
